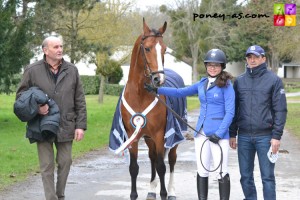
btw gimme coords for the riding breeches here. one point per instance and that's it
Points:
(207, 151)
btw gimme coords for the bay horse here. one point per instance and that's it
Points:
(144, 116)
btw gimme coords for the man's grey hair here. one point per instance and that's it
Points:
(47, 39)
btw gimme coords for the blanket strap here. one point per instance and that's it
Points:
(138, 126)
(132, 112)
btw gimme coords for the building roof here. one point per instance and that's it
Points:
(290, 64)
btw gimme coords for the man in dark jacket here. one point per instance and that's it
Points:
(259, 121)
(60, 80)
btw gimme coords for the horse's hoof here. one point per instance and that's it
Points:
(151, 196)
(171, 198)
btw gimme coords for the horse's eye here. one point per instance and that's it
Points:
(147, 49)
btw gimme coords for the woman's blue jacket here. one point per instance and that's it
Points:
(217, 105)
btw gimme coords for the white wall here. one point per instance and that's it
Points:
(280, 72)
(183, 69)
(235, 68)
(84, 68)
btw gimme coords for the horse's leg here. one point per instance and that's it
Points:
(152, 156)
(172, 157)
(133, 170)
(160, 166)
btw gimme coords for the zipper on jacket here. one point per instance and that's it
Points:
(251, 107)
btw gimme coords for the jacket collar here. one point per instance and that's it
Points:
(257, 71)
(62, 64)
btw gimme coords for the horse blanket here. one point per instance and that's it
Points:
(174, 127)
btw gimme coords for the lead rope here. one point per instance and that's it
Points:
(178, 117)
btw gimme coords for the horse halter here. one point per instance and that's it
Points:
(148, 73)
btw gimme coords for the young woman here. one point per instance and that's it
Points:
(217, 98)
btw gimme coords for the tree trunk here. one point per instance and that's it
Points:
(274, 63)
(101, 89)
(195, 53)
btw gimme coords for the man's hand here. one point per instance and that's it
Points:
(43, 109)
(275, 145)
(214, 138)
(232, 143)
(79, 134)
(150, 88)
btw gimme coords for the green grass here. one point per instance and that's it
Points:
(99, 123)
(293, 119)
(291, 85)
(18, 158)
(193, 103)
(297, 98)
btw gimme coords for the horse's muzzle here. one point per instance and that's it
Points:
(158, 78)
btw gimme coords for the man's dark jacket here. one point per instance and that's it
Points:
(66, 91)
(261, 107)
(39, 127)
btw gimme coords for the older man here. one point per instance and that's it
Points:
(60, 80)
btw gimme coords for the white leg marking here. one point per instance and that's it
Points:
(171, 187)
(153, 185)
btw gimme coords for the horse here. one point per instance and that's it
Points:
(144, 116)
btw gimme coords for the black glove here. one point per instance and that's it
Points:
(150, 88)
(214, 138)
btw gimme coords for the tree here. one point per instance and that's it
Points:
(195, 36)
(66, 20)
(280, 43)
(108, 67)
(108, 30)
(185, 34)
(14, 39)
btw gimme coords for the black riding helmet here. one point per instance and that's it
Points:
(216, 56)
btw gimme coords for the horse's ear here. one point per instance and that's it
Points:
(163, 28)
(146, 29)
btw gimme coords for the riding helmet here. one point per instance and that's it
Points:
(216, 56)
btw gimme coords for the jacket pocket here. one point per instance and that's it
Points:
(217, 118)
(71, 117)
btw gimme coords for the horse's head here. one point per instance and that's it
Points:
(152, 50)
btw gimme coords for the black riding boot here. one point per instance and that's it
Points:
(224, 187)
(202, 187)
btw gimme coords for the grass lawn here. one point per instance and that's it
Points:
(293, 119)
(297, 98)
(18, 158)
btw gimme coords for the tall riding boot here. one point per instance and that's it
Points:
(202, 187)
(224, 187)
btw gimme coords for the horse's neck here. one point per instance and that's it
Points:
(136, 77)
(136, 88)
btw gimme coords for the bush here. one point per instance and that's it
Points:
(116, 76)
(90, 84)
(113, 89)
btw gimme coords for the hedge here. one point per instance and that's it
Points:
(91, 85)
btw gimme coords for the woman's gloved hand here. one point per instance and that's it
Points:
(214, 138)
